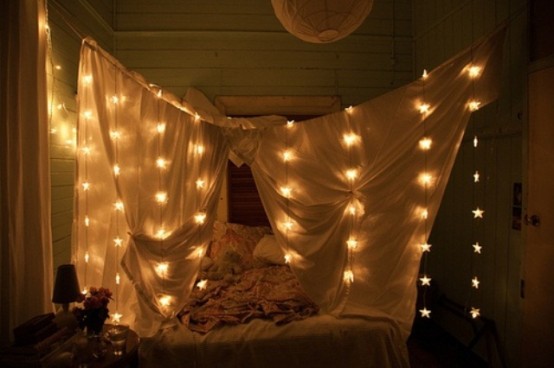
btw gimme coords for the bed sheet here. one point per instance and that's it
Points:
(319, 341)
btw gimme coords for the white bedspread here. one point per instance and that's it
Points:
(319, 341)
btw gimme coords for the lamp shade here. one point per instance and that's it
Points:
(66, 287)
(321, 21)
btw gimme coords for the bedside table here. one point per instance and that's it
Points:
(66, 356)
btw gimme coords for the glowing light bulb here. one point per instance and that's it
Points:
(86, 186)
(87, 79)
(350, 139)
(424, 108)
(87, 221)
(118, 206)
(474, 105)
(474, 71)
(288, 258)
(425, 281)
(352, 243)
(160, 128)
(87, 257)
(162, 268)
(475, 282)
(477, 248)
(348, 276)
(287, 155)
(161, 163)
(115, 135)
(425, 313)
(478, 213)
(425, 179)
(118, 242)
(116, 317)
(117, 278)
(425, 74)
(116, 170)
(286, 191)
(425, 247)
(351, 174)
(202, 284)
(290, 123)
(288, 224)
(200, 183)
(199, 149)
(161, 197)
(165, 300)
(162, 233)
(425, 144)
(200, 218)
(475, 312)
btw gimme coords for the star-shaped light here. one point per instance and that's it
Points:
(426, 313)
(425, 247)
(200, 183)
(474, 71)
(202, 284)
(425, 74)
(476, 177)
(477, 248)
(425, 143)
(116, 317)
(474, 105)
(425, 281)
(475, 282)
(118, 242)
(352, 243)
(424, 108)
(478, 213)
(475, 312)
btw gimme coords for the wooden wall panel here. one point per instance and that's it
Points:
(442, 29)
(69, 20)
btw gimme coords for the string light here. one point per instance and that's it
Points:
(116, 317)
(87, 79)
(425, 74)
(351, 174)
(474, 71)
(474, 105)
(200, 218)
(161, 163)
(425, 313)
(424, 108)
(116, 170)
(162, 233)
(290, 123)
(115, 135)
(200, 183)
(161, 197)
(475, 142)
(478, 213)
(86, 186)
(352, 243)
(288, 258)
(117, 278)
(87, 256)
(350, 139)
(165, 300)
(348, 276)
(475, 312)
(424, 214)
(162, 268)
(202, 284)
(477, 248)
(287, 155)
(425, 144)
(425, 281)
(476, 177)
(160, 128)
(118, 242)
(87, 221)
(199, 149)
(425, 179)
(286, 191)
(87, 114)
(425, 247)
(118, 206)
(475, 282)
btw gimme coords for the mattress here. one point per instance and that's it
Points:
(318, 341)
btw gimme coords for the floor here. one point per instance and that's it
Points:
(431, 347)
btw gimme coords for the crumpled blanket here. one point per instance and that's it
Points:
(271, 292)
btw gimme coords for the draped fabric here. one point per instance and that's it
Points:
(351, 196)
(26, 257)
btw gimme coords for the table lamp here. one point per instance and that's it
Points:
(66, 291)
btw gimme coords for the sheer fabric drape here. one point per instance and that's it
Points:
(26, 257)
(352, 175)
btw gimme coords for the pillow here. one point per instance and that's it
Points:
(267, 250)
(239, 238)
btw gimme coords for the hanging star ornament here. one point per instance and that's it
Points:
(478, 213)
(425, 281)
(425, 247)
(426, 313)
(475, 282)
(475, 312)
(477, 248)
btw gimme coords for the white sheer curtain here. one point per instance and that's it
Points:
(351, 196)
(26, 258)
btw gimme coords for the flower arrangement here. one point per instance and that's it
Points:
(94, 311)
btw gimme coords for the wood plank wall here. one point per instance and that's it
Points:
(240, 48)
(441, 29)
(69, 20)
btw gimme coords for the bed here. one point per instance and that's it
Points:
(258, 316)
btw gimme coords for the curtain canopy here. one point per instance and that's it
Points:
(351, 196)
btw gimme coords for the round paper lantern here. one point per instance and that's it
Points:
(321, 21)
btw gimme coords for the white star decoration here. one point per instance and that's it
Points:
(425, 247)
(478, 213)
(475, 282)
(476, 177)
(475, 312)
(477, 248)
(425, 281)
(425, 312)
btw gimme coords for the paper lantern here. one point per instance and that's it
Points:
(321, 21)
